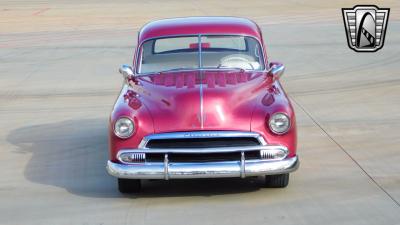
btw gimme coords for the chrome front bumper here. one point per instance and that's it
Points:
(171, 170)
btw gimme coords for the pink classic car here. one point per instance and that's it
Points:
(201, 100)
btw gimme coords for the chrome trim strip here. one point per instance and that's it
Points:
(206, 150)
(201, 104)
(200, 134)
(203, 170)
(201, 86)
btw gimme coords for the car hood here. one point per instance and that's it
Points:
(201, 100)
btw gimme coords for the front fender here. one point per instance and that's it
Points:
(129, 104)
(275, 100)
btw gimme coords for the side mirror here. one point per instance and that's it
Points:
(276, 70)
(126, 71)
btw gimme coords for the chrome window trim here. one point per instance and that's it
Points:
(200, 134)
(137, 63)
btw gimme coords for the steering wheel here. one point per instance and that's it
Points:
(237, 61)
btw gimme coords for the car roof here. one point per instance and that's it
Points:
(199, 25)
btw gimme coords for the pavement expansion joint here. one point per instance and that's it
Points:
(343, 149)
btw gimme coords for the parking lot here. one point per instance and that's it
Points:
(59, 80)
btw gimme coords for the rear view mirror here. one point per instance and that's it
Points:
(126, 71)
(276, 70)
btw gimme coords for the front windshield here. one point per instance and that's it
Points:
(216, 52)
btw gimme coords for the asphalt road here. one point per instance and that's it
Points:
(59, 80)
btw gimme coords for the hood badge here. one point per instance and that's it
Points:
(201, 134)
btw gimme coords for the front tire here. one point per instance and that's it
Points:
(128, 186)
(277, 181)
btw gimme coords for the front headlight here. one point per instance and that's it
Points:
(124, 127)
(279, 123)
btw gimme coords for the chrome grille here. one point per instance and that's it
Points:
(202, 142)
(217, 137)
(200, 146)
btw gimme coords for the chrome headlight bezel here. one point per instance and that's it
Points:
(274, 119)
(130, 125)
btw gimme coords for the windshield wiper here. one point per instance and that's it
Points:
(225, 68)
(191, 69)
(176, 69)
